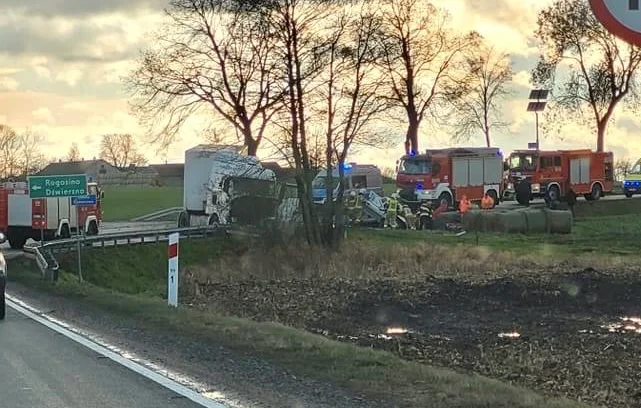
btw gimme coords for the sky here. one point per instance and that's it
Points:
(62, 63)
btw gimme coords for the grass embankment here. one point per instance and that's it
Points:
(123, 204)
(131, 282)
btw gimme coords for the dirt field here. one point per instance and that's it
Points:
(559, 330)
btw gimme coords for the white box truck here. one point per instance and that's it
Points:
(216, 176)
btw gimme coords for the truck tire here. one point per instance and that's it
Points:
(183, 219)
(597, 191)
(523, 191)
(17, 241)
(65, 232)
(447, 198)
(628, 193)
(93, 228)
(3, 306)
(495, 197)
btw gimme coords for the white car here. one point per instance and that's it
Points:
(3, 278)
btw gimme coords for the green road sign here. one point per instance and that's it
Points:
(57, 186)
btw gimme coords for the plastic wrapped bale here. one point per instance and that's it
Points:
(519, 222)
(559, 222)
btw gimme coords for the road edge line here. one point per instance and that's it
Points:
(159, 379)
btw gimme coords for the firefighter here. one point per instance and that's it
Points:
(464, 205)
(571, 199)
(392, 211)
(355, 206)
(487, 203)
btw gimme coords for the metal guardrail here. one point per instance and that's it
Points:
(47, 262)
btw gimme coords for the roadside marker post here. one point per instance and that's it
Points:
(172, 278)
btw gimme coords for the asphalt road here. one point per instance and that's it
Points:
(40, 368)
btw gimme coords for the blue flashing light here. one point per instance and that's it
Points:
(419, 186)
(412, 152)
(499, 153)
(632, 184)
(347, 166)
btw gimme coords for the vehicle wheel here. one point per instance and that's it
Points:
(495, 197)
(447, 198)
(597, 191)
(214, 221)
(3, 307)
(553, 194)
(65, 232)
(628, 193)
(93, 229)
(523, 193)
(17, 242)
(183, 219)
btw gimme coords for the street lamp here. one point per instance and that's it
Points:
(540, 96)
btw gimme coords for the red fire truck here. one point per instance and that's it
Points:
(553, 173)
(22, 218)
(446, 175)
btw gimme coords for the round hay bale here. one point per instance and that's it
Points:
(514, 222)
(536, 222)
(559, 222)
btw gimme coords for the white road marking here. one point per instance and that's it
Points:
(58, 327)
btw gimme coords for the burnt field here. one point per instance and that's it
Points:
(561, 330)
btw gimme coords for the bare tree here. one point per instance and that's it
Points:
(9, 152)
(350, 98)
(31, 157)
(479, 110)
(423, 60)
(74, 153)
(212, 57)
(621, 168)
(120, 151)
(599, 71)
(298, 27)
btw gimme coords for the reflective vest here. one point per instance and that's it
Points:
(487, 202)
(393, 205)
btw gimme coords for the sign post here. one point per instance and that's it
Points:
(172, 279)
(72, 186)
(620, 17)
(81, 201)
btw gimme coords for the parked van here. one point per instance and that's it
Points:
(357, 176)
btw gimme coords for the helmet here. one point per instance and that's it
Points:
(394, 195)
(352, 193)
(362, 191)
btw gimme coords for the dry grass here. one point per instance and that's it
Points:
(419, 261)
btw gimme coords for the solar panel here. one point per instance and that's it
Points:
(536, 106)
(539, 94)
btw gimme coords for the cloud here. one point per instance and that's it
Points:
(43, 115)
(79, 8)
(8, 84)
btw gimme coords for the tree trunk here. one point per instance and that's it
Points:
(487, 138)
(252, 145)
(600, 136)
(411, 143)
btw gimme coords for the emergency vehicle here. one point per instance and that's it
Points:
(22, 218)
(632, 181)
(446, 175)
(553, 173)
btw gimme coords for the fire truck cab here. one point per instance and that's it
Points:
(552, 174)
(446, 175)
(22, 218)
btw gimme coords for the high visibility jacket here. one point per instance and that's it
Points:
(392, 205)
(487, 202)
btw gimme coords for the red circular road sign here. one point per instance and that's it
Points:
(620, 17)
